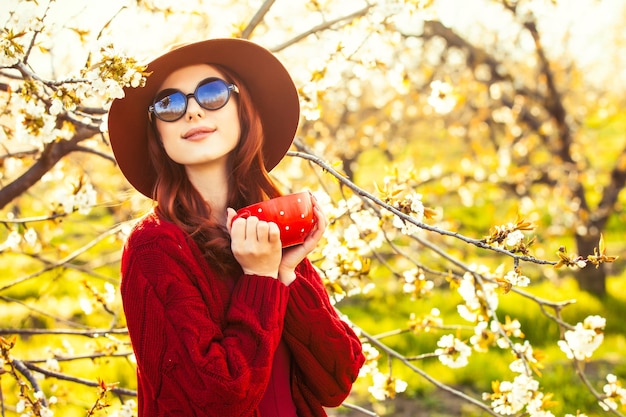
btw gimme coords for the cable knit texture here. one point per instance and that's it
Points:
(204, 344)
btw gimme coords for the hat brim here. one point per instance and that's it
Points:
(270, 86)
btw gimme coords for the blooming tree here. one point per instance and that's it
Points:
(66, 210)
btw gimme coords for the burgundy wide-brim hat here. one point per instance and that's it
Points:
(270, 86)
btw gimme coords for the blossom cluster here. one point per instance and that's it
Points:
(16, 238)
(384, 385)
(412, 206)
(36, 103)
(27, 407)
(35, 125)
(113, 72)
(614, 394)
(511, 236)
(584, 339)
(128, 409)
(97, 298)
(479, 297)
(81, 199)
(453, 352)
(442, 98)
(511, 397)
(426, 323)
(416, 284)
(26, 18)
(345, 255)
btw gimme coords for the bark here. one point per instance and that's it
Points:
(52, 153)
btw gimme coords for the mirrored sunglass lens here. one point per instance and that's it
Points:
(212, 95)
(171, 106)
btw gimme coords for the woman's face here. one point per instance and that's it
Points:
(200, 138)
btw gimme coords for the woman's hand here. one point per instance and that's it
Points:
(294, 255)
(255, 244)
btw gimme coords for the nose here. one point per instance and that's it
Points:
(194, 110)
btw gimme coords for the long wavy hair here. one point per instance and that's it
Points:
(179, 202)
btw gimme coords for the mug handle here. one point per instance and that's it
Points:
(244, 214)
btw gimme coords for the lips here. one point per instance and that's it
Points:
(197, 133)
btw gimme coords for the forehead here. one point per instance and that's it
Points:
(187, 78)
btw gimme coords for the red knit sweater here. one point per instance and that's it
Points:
(203, 350)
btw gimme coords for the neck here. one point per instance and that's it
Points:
(212, 183)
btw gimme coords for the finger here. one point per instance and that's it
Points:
(251, 226)
(238, 229)
(230, 214)
(273, 233)
(262, 231)
(320, 218)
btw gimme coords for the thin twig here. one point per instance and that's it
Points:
(583, 377)
(93, 333)
(321, 27)
(23, 369)
(257, 18)
(427, 377)
(61, 263)
(58, 375)
(360, 409)
(305, 154)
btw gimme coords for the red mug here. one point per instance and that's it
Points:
(293, 213)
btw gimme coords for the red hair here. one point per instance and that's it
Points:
(178, 200)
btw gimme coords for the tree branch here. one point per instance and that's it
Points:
(323, 26)
(53, 152)
(408, 364)
(58, 375)
(257, 18)
(92, 333)
(306, 154)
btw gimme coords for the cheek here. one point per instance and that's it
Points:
(233, 122)
(164, 130)
(165, 136)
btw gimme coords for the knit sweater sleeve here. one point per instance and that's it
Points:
(196, 353)
(327, 351)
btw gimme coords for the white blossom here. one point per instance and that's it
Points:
(416, 282)
(586, 337)
(30, 236)
(514, 238)
(82, 200)
(477, 339)
(110, 292)
(453, 352)
(471, 310)
(86, 305)
(441, 98)
(516, 279)
(385, 386)
(12, 242)
(56, 106)
(614, 394)
(128, 409)
(45, 412)
(370, 352)
(9, 54)
(513, 396)
(20, 406)
(53, 365)
(86, 199)
(525, 356)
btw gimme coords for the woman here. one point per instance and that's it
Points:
(223, 321)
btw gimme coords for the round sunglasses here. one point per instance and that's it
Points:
(211, 93)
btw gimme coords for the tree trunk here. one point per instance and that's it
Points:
(590, 278)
